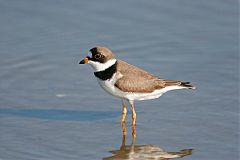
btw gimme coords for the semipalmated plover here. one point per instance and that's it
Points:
(126, 81)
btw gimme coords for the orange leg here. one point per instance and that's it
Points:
(134, 132)
(134, 115)
(124, 130)
(124, 112)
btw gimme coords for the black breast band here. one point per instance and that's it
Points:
(107, 73)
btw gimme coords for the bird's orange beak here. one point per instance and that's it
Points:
(84, 61)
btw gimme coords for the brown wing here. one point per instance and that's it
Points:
(135, 79)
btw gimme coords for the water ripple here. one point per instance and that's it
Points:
(60, 114)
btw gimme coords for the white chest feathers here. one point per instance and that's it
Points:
(109, 85)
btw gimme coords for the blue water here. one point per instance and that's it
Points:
(52, 108)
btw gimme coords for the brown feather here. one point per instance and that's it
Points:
(141, 81)
(137, 80)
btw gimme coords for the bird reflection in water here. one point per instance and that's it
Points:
(143, 152)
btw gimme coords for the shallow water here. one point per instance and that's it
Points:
(52, 108)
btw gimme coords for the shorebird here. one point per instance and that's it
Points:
(126, 81)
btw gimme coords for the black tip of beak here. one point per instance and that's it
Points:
(85, 60)
(81, 62)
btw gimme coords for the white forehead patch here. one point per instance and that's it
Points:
(89, 54)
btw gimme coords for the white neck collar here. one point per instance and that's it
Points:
(97, 66)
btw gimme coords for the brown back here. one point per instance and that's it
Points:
(139, 80)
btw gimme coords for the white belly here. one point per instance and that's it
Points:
(109, 87)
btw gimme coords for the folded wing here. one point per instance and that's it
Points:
(141, 81)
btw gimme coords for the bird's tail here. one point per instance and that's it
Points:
(187, 85)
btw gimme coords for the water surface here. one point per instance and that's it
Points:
(52, 108)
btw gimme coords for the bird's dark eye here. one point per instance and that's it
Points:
(97, 56)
